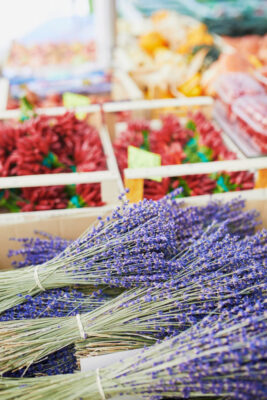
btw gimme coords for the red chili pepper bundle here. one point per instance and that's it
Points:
(196, 141)
(90, 194)
(44, 145)
(243, 179)
(156, 190)
(88, 153)
(169, 140)
(7, 146)
(43, 198)
(171, 131)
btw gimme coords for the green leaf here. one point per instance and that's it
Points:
(70, 190)
(51, 161)
(145, 145)
(26, 109)
(191, 125)
(75, 201)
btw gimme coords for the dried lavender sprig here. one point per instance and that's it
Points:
(136, 240)
(56, 303)
(223, 356)
(37, 250)
(142, 316)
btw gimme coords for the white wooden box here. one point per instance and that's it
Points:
(111, 184)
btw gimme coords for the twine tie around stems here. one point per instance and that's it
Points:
(80, 326)
(37, 280)
(99, 385)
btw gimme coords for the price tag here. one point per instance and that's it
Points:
(71, 100)
(136, 189)
(138, 158)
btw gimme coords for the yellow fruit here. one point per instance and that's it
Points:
(190, 90)
(151, 41)
(192, 85)
(195, 37)
(196, 91)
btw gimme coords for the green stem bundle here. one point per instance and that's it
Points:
(222, 356)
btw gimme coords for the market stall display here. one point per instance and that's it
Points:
(43, 149)
(234, 223)
(173, 140)
(231, 86)
(251, 119)
(133, 188)
(59, 48)
(168, 62)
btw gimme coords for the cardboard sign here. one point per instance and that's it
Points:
(71, 100)
(138, 158)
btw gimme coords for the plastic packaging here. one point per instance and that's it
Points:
(232, 86)
(250, 113)
(235, 84)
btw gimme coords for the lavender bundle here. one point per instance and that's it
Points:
(54, 303)
(224, 356)
(217, 271)
(136, 242)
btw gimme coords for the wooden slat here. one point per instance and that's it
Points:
(196, 168)
(56, 179)
(52, 111)
(160, 103)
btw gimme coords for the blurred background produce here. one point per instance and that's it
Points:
(79, 53)
(104, 103)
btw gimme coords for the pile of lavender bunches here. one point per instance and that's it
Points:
(165, 267)
(216, 272)
(224, 356)
(129, 249)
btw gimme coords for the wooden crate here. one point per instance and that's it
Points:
(72, 226)
(110, 180)
(147, 108)
(68, 226)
